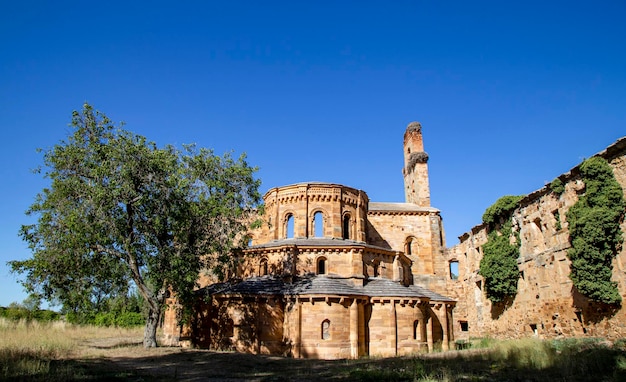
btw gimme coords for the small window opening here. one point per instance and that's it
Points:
(326, 330)
(346, 227)
(416, 330)
(318, 224)
(263, 268)
(454, 270)
(533, 328)
(464, 326)
(376, 267)
(290, 226)
(409, 244)
(321, 266)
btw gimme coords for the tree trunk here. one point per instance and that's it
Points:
(152, 322)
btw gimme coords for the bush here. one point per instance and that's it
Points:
(130, 319)
(499, 263)
(557, 186)
(595, 233)
(501, 209)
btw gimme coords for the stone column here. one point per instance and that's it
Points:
(354, 329)
(297, 353)
(450, 322)
(395, 328)
(422, 323)
(431, 332)
(446, 327)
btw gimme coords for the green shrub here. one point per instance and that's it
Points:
(595, 233)
(557, 186)
(501, 209)
(499, 263)
(130, 319)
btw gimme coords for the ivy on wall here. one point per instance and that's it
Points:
(595, 233)
(499, 263)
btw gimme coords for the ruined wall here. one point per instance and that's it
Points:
(546, 305)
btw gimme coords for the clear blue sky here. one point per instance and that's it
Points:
(509, 94)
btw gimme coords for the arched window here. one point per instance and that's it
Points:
(408, 250)
(289, 226)
(321, 266)
(263, 267)
(416, 330)
(325, 329)
(318, 224)
(346, 226)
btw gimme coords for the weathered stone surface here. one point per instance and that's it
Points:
(547, 304)
(331, 274)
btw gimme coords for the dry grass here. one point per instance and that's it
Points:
(35, 350)
(63, 352)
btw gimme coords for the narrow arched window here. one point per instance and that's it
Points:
(289, 226)
(326, 329)
(346, 226)
(407, 250)
(318, 224)
(321, 266)
(263, 267)
(416, 330)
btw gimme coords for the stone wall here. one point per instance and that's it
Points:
(302, 201)
(546, 305)
(420, 236)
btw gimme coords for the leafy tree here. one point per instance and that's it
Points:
(595, 233)
(120, 210)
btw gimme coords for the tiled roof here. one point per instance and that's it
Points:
(399, 207)
(263, 285)
(316, 242)
(379, 287)
(322, 285)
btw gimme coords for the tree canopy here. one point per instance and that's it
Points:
(119, 210)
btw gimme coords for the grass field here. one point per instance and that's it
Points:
(63, 352)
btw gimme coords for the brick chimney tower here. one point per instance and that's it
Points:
(415, 171)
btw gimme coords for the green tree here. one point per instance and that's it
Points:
(595, 233)
(120, 210)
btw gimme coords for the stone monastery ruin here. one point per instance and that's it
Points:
(331, 274)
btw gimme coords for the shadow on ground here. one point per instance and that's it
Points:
(174, 364)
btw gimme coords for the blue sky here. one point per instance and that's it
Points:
(509, 94)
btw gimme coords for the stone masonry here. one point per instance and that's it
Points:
(331, 274)
(546, 305)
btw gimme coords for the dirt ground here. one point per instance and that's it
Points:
(126, 357)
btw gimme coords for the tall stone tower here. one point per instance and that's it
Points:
(415, 171)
